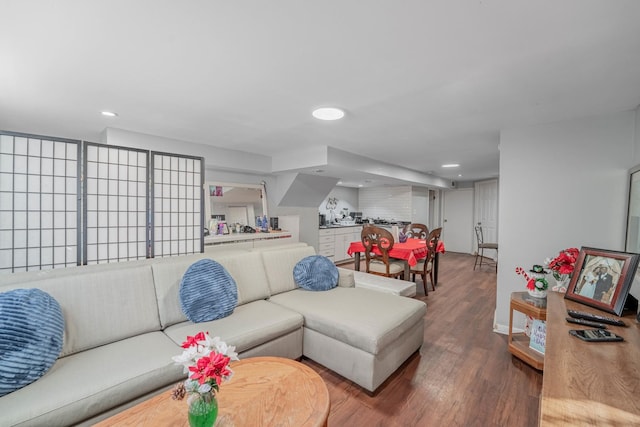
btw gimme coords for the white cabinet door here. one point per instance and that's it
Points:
(326, 243)
(340, 248)
(343, 238)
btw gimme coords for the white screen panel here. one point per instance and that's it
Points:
(175, 193)
(109, 214)
(39, 222)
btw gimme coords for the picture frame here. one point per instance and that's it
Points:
(602, 278)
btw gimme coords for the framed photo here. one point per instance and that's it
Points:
(602, 278)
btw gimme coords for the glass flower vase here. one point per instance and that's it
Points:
(562, 283)
(203, 410)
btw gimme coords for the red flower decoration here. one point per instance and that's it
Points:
(565, 262)
(191, 341)
(212, 367)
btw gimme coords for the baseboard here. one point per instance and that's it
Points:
(502, 329)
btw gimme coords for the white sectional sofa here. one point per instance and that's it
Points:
(123, 323)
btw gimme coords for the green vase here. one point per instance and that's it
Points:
(203, 411)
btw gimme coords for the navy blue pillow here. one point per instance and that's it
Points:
(316, 273)
(207, 292)
(31, 336)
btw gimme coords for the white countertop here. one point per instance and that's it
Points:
(240, 237)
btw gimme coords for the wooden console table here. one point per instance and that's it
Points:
(589, 383)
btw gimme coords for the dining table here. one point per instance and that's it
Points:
(409, 251)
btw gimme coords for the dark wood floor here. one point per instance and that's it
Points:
(462, 376)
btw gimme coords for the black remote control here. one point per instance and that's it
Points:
(595, 318)
(595, 335)
(587, 323)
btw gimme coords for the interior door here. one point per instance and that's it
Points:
(486, 212)
(457, 227)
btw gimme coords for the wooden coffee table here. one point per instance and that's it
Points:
(264, 391)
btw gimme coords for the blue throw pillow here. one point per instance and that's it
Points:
(207, 292)
(31, 336)
(316, 273)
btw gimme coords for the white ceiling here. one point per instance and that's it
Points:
(422, 82)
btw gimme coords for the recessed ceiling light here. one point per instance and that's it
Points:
(109, 114)
(339, 183)
(451, 165)
(328, 113)
(459, 175)
(360, 185)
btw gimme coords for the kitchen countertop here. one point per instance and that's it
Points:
(236, 237)
(324, 227)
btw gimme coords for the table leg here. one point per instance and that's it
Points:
(357, 262)
(407, 271)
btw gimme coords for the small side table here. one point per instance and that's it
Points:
(519, 341)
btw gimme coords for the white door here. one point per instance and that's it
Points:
(457, 227)
(486, 213)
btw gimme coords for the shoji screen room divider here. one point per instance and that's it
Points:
(132, 203)
(39, 203)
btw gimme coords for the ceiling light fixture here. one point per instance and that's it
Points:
(451, 165)
(109, 114)
(328, 113)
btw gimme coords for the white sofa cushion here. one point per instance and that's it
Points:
(245, 268)
(90, 299)
(249, 326)
(362, 318)
(279, 267)
(248, 272)
(93, 381)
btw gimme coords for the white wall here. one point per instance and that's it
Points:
(346, 197)
(390, 203)
(561, 185)
(420, 205)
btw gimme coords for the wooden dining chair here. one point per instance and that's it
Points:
(482, 245)
(416, 231)
(424, 267)
(380, 264)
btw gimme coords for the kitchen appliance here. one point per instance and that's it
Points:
(322, 220)
(357, 217)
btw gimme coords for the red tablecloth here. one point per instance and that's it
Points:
(411, 250)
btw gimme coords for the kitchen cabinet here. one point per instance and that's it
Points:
(326, 243)
(343, 237)
(334, 242)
